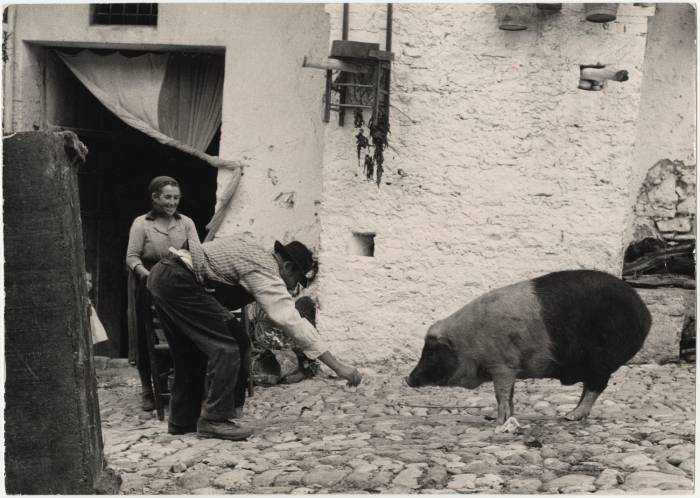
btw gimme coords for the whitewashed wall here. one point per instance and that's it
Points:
(510, 171)
(271, 105)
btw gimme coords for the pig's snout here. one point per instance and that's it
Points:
(412, 379)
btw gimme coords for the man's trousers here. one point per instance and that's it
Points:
(202, 337)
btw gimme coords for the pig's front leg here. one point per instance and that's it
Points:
(504, 385)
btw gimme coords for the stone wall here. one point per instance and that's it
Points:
(666, 203)
(499, 167)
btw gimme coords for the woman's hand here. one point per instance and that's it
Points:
(142, 272)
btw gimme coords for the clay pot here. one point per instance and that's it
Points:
(515, 16)
(601, 12)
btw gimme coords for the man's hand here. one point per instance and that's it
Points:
(352, 375)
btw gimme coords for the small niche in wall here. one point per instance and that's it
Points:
(362, 244)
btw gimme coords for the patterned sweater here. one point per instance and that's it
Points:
(238, 260)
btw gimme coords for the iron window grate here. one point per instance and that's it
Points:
(132, 14)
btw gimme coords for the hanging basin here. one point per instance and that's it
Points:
(601, 12)
(515, 16)
(549, 7)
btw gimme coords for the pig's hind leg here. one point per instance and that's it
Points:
(591, 391)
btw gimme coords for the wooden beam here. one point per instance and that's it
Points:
(658, 258)
(653, 281)
(336, 65)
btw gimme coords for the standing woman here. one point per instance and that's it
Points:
(150, 237)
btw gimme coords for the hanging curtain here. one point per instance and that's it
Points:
(171, 97)
(174, 98)
(190, 100)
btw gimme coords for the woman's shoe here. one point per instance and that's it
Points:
(148, 403)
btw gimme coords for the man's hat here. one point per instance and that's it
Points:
(301, 256)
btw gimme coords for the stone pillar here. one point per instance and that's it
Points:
(53, 440)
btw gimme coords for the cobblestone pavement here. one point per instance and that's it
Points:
(320, 436)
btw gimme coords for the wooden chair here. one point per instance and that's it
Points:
(158, 347)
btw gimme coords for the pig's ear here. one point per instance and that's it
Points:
(445, 357)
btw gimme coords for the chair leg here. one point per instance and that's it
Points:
(157, 394)
(247, 358)
(150, 341)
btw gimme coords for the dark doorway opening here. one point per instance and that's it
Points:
(113, 190)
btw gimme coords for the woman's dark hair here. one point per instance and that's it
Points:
(157, 184)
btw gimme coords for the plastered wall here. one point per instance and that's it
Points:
(664, 166)
(499, 168)
(271, 105)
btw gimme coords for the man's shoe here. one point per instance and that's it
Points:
(148, 403)
(238, 412)
(178, 430)
(222, 430)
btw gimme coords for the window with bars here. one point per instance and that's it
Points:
(132, 14)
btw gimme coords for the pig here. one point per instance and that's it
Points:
(574, 326)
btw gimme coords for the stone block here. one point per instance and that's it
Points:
(657, 480)
(668, 308)
(687, 206)
(572, 482)
(678, 224)
(100, 362)
(524, 486)
(234, 479)
(118, 363)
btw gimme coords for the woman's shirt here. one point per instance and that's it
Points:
(149, 243)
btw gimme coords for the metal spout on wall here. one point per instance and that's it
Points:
(594, 77)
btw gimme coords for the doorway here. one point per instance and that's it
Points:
(113, 190)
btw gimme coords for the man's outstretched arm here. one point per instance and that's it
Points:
(279, 306)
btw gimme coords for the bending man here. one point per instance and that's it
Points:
(201, 332)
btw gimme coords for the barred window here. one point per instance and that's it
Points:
(133, 14)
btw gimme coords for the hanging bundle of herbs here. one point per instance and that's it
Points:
(378, 127)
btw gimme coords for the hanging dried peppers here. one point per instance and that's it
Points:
(378, 126)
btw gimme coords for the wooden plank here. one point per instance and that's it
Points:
(658, 257)
(335, 65)
(654, 281)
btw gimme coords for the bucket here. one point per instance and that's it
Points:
(601, 12)
(514, 16)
